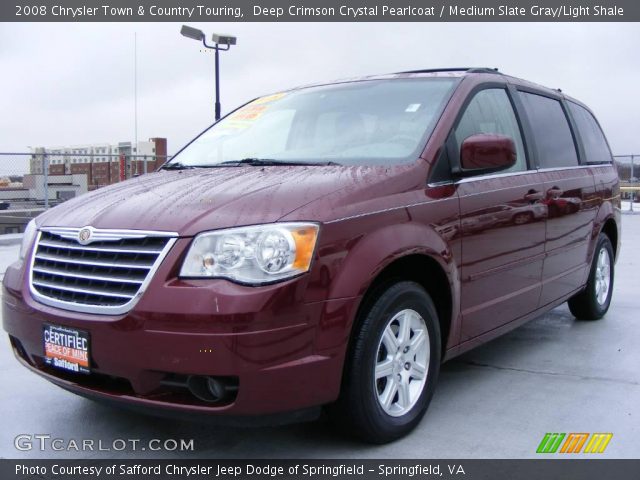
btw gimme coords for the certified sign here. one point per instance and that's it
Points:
(66, 348)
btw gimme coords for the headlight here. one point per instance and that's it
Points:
(255, 255)
(30, 232)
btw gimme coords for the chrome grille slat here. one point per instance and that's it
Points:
(106, 273)
(108, 235)
(81, 290)
(89, 248)
(97, 263)
(86, 277)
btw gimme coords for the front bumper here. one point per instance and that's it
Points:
(283, 354)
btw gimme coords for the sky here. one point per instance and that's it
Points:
(70, 84)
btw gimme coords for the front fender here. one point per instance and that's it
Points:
(356, 251)
(377, 249)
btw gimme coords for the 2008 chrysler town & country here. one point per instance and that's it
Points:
(324, 246)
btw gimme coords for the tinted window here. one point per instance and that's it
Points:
(490, 111)
(595, 145)
(551, 133)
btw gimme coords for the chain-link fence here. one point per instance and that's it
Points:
(628, 168)
(629, 173)
(33, 182)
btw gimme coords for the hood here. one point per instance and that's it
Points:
(195, 200)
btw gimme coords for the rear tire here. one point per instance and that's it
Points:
(393, 365)
(593, 302)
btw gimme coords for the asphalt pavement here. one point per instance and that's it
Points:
(554, 374)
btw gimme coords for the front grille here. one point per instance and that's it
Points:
(107, 275)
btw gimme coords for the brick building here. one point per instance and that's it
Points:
(103, 164)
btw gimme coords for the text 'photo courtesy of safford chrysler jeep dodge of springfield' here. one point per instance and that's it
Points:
(327, 246)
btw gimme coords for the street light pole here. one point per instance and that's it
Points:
(218, 42)
(217, 106)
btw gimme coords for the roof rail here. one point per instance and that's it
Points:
(484, 70)
(460, 69)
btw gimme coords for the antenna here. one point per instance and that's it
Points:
(135, 99)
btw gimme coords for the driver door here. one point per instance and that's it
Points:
(502, 224)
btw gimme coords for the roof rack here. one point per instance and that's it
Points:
(461, 69)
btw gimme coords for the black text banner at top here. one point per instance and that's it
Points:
(320, 11)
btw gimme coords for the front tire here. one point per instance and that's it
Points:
(393, 367)
(593, 302)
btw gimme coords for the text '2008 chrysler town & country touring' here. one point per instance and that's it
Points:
(327, 246)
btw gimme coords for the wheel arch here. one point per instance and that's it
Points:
(426, 271)
(610, 229)
(607, 221)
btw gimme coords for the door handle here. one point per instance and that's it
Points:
(533, 196)
(555, 192)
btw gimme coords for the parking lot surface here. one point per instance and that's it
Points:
(554, 374)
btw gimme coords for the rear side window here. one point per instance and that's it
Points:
(551, 132)
(595, 145)
(490, 111)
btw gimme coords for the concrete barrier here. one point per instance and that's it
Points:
(11, 239)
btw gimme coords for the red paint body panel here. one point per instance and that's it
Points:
(572, 204)
(501, 261)
(506, 255)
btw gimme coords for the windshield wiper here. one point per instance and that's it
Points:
(262, 162)
(257, 162)
(177, 166)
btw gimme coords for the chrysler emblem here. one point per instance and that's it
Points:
(84, 235)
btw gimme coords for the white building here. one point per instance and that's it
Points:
(33, 188)
(94, 153)
(58, 187)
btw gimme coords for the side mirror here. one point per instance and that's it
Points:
(486, 153)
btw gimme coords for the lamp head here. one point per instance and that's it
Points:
(192, 33)
(222, 39)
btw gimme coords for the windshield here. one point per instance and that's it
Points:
(375, 122)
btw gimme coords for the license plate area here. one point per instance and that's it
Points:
(66, 348)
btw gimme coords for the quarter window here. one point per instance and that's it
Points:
(490, 111)
(595, 144)
(551, 133)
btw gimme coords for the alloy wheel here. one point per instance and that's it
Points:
(402, 362)
(603, 276)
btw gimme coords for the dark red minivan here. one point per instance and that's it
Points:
(325, 246)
